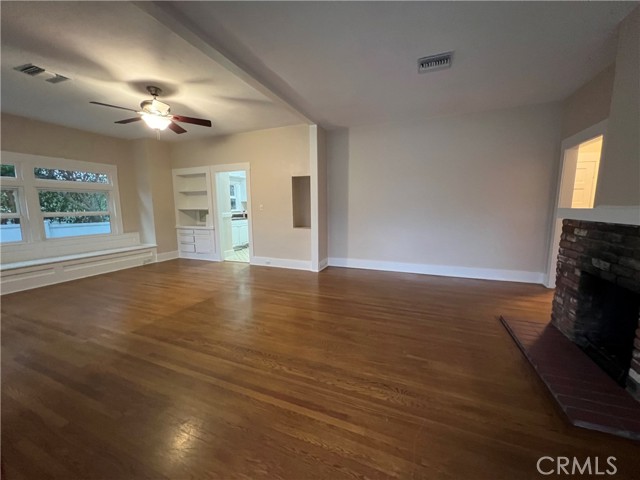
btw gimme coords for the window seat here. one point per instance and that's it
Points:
(27, 274)
(66, 258)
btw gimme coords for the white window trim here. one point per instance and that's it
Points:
(32, 218)
(20, 207)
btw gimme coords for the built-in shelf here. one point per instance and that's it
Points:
(301, 196)
(194, 204)
(192, 196)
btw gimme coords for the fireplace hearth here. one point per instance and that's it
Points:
(597, 299)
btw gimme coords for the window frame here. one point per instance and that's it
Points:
(19, 197)
(64, 189)
(16, 183)
(32, 218)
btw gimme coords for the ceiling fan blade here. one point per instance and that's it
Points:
(176, 128)
(114, 106)
(129, 120)
(196, 121)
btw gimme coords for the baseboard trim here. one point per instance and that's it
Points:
(163, 257)
(442, 270)
(281, 263)
(322, 264)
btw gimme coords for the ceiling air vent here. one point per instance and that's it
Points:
(56, 78)
(33, 70)
(434, 62)
(30, 69)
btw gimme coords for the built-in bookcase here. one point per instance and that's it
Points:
(194, 218)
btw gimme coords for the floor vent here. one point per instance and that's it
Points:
(435, 62)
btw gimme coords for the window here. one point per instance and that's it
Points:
(72, 214)
(232, 197)
(46, 199)
(10, 229)
(7, 170)
(69, 175)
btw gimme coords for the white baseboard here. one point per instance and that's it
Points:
(442, 270)
(163, 257)
(63, 270)
(322, 264)
(282, 263)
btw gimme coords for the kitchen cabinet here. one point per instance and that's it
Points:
(239, 233)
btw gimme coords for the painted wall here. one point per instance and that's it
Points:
(590, 104)
(275, 155)
(24, 135)
(152, 166)
(471, 191)
(619, 179)
(323, 226)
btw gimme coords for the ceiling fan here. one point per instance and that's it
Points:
(157, 115)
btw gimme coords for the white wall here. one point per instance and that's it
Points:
(471, 191)
(590, 104)
(323, 240)
(619, 179)
(154, 188)
(23, 135)
(144, 171)
(275, 155)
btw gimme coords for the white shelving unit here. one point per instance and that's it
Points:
(194, 213)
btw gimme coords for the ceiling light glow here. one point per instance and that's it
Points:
(156, 122)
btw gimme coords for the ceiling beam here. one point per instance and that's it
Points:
(233, 56)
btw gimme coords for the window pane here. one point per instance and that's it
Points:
(59, 227)
(10, 230)
(73, 201)
(70, 175)
(7, 170)
(8, 201)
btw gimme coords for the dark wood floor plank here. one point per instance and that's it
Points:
(187, 369)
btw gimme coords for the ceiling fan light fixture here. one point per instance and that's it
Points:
(156, 122)
(155, 107)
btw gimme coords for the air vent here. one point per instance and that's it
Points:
(435, 62)
(30, 69)
(56, 78)
(33, 70)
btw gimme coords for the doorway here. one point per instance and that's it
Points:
(586, 173)
(233, 220)
(577, 184)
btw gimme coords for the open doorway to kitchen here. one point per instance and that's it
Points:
(233, 219)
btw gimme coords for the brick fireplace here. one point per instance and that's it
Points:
(597, 299)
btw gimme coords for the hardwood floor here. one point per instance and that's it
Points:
(196, 370)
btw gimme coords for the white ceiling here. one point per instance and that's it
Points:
(350, 63)
(111, 51)
(337, 63)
